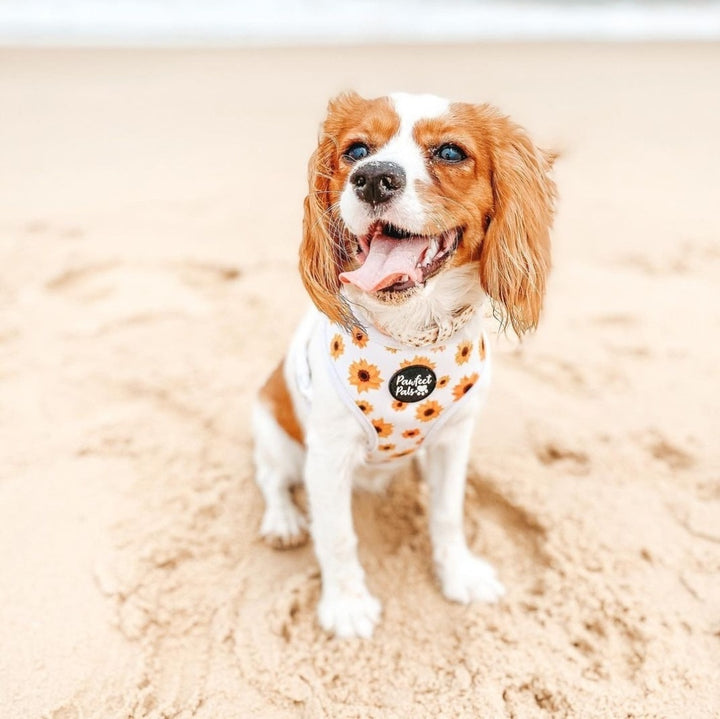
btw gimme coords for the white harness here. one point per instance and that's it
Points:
(401, 394)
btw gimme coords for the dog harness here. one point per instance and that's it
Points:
(401, 394)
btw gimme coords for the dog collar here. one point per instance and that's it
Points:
(435, 333)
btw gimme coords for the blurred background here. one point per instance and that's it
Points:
(132, 22)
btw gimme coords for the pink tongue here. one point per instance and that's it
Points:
(387, 261)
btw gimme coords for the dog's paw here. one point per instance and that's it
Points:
(283, 526)
(466, 578)
(349, 613)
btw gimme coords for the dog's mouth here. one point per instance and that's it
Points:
(393, 259)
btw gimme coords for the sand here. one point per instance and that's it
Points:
(151, 208)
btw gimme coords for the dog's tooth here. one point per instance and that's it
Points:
(404, 278)
(430, 252)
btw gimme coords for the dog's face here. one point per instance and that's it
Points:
(405, 189)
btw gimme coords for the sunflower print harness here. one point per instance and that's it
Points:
(400, 394)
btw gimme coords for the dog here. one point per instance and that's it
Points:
(419, 211)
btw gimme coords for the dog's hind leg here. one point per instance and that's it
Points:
(278, 465)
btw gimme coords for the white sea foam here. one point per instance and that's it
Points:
(281, 22)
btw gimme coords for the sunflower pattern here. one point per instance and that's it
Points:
(464, 386)
(464, 350)
(364, 406)
(364, 376)
(428, 411)
(363, 368)
(418, 360)
(359, 337)
(383, 429)
(337, 346)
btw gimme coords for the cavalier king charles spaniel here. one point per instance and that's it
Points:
(419, 210)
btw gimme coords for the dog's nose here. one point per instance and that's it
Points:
(378, 182)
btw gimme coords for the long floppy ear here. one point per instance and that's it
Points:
(321, 251)
(515, 257)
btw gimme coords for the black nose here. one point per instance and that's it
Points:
(378, 182)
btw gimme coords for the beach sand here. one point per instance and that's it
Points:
(151, 212)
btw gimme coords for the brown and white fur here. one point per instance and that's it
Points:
(490, 193)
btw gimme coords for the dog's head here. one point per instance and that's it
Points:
(406, 189)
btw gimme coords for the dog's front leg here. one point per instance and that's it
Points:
(463, 576)
(346, 607)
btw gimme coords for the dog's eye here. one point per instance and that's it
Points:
(450, 153)
(357, 151)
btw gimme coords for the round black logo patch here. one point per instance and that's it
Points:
(413, 383)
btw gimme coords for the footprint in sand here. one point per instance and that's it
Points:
(615, 320)
(41, 227)
(509, 535)
(623, 324)
(553, 449)
(117, 294)
(667, 452)
(688, 257)
(552, 452)
(557, 372)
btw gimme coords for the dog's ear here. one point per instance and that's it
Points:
(515, 256)
(323, 246)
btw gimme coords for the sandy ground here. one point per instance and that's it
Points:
(150, 217)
